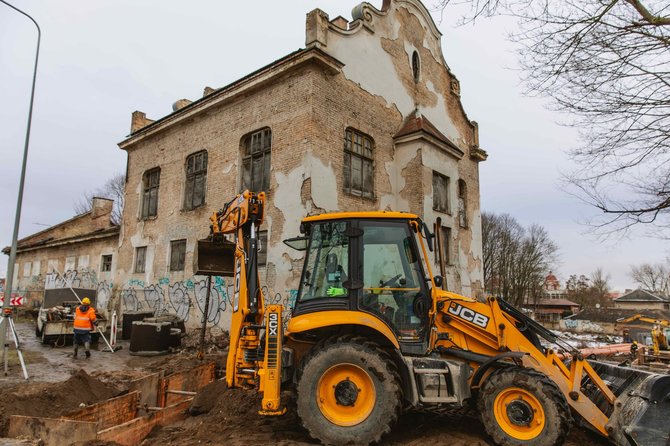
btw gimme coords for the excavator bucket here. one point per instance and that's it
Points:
(214, 258)
(642, 409)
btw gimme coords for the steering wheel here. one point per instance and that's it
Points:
(389, 282)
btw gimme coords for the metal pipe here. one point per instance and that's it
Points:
(19, 201)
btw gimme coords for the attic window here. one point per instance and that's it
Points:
(416, 66)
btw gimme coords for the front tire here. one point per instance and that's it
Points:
(522, 407)
(348, 392)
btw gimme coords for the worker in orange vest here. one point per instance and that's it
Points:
(84, 322)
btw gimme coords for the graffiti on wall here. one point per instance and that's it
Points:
(84, 278)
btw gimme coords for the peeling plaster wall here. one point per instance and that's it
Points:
(308, 110)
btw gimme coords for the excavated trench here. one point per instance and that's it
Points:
(59, 385)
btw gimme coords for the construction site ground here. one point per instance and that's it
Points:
(59, 384)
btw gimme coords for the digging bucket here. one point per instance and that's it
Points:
(641, 413)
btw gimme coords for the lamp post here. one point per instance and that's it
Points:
(12, 253)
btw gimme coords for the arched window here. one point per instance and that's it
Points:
(196, 180)
(150, 183)
(256, 152)
(416, 66)
(358, 164)
(462, 200)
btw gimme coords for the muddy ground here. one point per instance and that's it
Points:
(59, 384)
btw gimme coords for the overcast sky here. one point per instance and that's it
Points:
(102, 59)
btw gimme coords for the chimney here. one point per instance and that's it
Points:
(101, 207)
(139, 121)
(341, 22)
(181, 103)
(316, 29)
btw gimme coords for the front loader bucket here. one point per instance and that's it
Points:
(641, 413)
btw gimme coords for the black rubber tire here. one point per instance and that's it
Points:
(380, 368)
(554, 404)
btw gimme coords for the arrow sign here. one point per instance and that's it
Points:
(15, 301)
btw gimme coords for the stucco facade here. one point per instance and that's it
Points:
(80, 252)
(380, 80)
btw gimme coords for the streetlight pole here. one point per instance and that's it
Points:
(19, 202)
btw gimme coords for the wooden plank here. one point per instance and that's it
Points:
(110, 412)
(53, 432)
(148, 388)
(134, 431)
(191, 381)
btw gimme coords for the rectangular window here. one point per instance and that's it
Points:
(83, 261)
(462, 209)
(106, 263)
(37, 268)
(52, 266)
(262, 247)
(150, 183)
(140, 259)
(441, 193)
(196, 180)
(177, 255)
(256, 161)
(358, 168)
(445, 248)
(70, 263)
(27, 267)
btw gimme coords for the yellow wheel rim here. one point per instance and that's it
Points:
(346, 394)
(519, 413)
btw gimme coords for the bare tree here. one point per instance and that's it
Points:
(113, 189)
(607, 64)
(516, 259)
(600, 287)
(654, 278)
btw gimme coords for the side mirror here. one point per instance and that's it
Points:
(439, 281)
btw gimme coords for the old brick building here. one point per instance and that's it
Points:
(367, 116)
(80, 252)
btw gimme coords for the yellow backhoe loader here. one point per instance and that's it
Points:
(373, 334)
(658, 338)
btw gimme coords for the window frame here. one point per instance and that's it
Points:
(249, 154)
(191, 180)
(367, 144)
(180, 263)
(462, 204)
(136, 263)
(262, 256)
(104, 264)
(447, 187)
(148, 187)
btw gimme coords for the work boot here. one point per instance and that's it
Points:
(87, 346)
(74, 355)
(88, 354)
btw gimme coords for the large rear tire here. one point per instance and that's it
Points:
(522, 407)
(348, 392)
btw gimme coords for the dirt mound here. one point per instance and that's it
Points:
(52, 400)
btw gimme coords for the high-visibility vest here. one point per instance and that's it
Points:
(84, 320)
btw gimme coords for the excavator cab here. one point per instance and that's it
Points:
(370, 263)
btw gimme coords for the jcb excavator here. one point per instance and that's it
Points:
(373, 334)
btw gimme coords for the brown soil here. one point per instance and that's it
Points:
(222, 416)
(52, 400)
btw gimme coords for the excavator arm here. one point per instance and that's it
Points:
(254, 355)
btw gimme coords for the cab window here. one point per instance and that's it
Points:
(327, 265)
(392, 277)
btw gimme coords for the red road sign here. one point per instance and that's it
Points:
(15, 301)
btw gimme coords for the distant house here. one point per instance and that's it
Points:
(642, 300)
(79, 252)
(553, 305)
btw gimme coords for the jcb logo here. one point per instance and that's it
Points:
(273, 324)
(468, 314)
